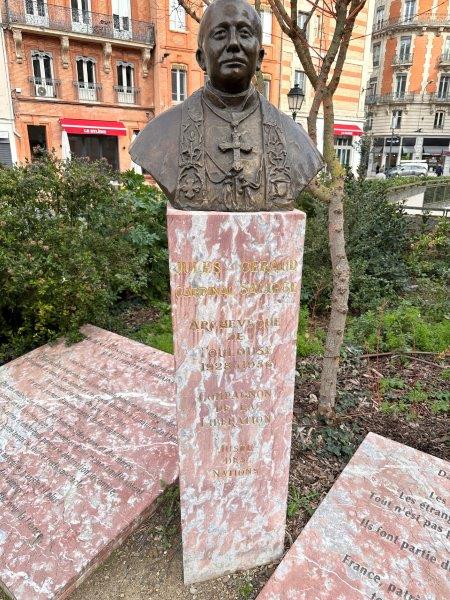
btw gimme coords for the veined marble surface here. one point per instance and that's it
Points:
(87, 443)
(235, 284)
(382, 532)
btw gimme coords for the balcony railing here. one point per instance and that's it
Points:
(442, 97)
(403, 60)
(423, 20)
(39, 13)
(42, 87)
(444, 59)
(391, 98)
(126, 95)
(88, 92)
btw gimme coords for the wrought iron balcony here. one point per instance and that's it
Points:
(88, 92)
(444, 59)
(442, 97)
(41, 87)
(399, 98)
(415, 21)
(404, 60)
(126, 95)
(40, 14)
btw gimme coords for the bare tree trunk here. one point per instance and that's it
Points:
(340, 269)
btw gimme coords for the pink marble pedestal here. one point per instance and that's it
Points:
(235, 281)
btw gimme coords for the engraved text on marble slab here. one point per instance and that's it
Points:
(87, 443)
(382, 532)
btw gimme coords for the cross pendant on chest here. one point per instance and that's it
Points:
(237, 146)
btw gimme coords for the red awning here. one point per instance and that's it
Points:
(88, 127)
(347, 129)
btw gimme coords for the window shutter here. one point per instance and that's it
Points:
(5, 153)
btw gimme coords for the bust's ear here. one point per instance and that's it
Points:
(200, 59)
(260, 59)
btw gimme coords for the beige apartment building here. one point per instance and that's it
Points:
(7, 136)
(408, 92)
(349, 97)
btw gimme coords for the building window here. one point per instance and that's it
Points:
(299, 78)
(177, 16)
(301, 20)
(404, 52)
(179, 77)
(446, 53)
(379, 17)
(439, 118)
(87, 87)
(36, 12)
(372, 88)
(410, 10)
(396, 122)
(444, 87)
(126, 91)
(5, 152)
(43, 83)
(96, 147)
(343, 149)
(266, 22)
(122, 19)
(37, 138)
(266, 87)
(81, 16)
(376, 54)
(400, 85)
(369, 121)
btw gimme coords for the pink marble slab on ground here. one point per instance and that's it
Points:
(235, 283)
(87, 443)
(382, 532)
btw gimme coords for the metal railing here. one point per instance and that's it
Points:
(41, 87)
(440, 96)
(88, 92)
(405, 59)
(426, 19)
(126, 95)
(394, 98)
(38, 13)
(444, 59)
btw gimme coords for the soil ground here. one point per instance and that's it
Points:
(403, 398)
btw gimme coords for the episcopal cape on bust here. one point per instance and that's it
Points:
(226, 148)
(185, 163)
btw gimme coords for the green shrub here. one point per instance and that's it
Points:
(401, 328)
(71, 244)
(377, 243)
(309, 341)
(157, 334)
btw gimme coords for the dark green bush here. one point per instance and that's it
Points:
(71, 244)
(377, 243)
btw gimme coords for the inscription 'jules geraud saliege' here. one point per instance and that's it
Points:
(226, 148)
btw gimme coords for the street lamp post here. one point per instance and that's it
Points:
(295, 99)
(390, 148)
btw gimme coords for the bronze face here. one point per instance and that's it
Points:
(230, 45)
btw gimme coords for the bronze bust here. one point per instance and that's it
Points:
(226, 148)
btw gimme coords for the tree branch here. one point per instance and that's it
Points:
(189, 9)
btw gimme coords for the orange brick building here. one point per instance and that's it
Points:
(80, 75)
(177, 74)
(408, 98)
